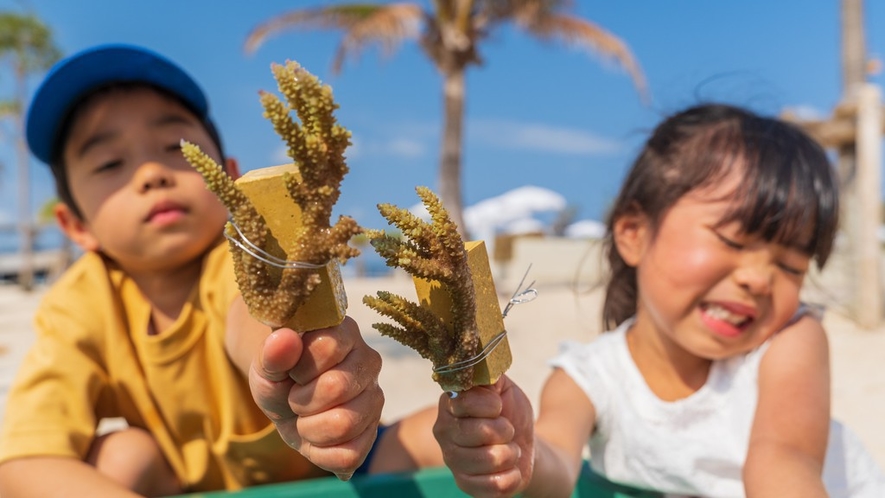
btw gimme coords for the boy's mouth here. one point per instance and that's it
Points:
(165, 212)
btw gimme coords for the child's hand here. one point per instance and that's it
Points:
(321, 391)
(486, 436)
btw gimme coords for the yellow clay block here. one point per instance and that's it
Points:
(488, 312)
(266, 189)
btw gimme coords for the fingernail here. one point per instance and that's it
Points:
(344, 477)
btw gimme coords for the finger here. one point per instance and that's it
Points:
(325, 348)
(478, 432)
(271, 396)
(479, 401)
(268, 379)
(344, 422)
(342, 459)
(505, 483)
(280, 352)
(484, 460)
(288, 430)
(343, 382)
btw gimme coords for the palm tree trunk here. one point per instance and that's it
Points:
(452, 143)
(26, 272)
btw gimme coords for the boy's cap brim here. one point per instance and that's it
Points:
(72, 78)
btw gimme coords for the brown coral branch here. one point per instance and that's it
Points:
(431, 251)
(273, 292)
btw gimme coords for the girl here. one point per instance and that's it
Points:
(715, 378)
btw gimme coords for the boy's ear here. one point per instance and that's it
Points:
(232, 167)
(632, 234)
(74, 227)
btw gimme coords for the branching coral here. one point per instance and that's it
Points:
(436, 252)
(316, 145)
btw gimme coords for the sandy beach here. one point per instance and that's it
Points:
(534, 330)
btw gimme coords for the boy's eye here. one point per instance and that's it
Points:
(174, 147)
(108, 166)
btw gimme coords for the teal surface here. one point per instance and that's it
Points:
(427, 483)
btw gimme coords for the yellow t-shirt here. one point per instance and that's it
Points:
(93, 358)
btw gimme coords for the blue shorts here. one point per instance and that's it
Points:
(364, 468)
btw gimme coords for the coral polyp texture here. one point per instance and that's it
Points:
(447, 326)
(280, 234)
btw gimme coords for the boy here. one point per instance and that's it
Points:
(149, 325)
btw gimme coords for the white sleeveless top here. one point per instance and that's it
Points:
(695, 446)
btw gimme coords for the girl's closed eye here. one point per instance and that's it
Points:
(729, 241)
(794, 262)
(791, 269)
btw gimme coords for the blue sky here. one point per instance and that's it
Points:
(537, 114)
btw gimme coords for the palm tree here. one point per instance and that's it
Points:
(27, 46)
(450, 36)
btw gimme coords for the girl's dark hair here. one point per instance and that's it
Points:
(57, 165)
(788, 191)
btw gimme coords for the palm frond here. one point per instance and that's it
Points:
(9, 108)
(585, 34)
(363, 24)
(338, 16)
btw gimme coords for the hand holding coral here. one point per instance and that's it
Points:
(486, 436)
(321, 391)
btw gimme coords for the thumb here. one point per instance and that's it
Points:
(280, 353)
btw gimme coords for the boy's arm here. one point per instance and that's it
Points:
(56, 477)
(788, 441)
(244, 335)
(490, 444)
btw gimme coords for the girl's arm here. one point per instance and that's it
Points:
(788, 441)
(565, 422)
(489, 442)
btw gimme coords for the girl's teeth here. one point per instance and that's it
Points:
(723, 314)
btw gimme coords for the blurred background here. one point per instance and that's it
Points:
(557, 95)
(548, 102)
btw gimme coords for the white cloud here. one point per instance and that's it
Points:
(586, 229)
(805, 112)
(540, 137)
(416, 139)
(405, 148)
(280, 155)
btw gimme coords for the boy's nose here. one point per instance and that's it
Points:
(152, 175)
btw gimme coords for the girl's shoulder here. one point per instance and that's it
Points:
(599, 365)
(606, 345)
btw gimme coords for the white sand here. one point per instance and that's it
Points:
(534, 331)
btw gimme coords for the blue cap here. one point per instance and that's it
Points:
(76, 76)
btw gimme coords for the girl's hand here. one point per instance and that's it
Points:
(486, 436)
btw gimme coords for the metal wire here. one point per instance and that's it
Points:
(261, 255)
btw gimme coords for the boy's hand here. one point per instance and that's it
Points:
(486, 436)
(321, 391)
